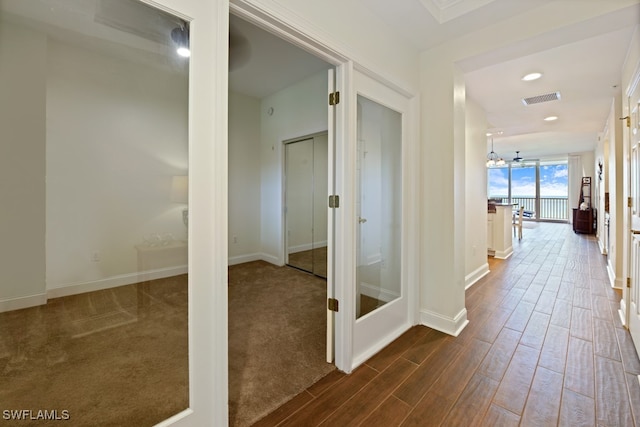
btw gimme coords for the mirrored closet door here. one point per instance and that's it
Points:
(306, 203)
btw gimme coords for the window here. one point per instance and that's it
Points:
(541, 187)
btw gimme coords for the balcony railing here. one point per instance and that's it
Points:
(555, 208)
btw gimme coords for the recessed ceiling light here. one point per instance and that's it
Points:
(532, 76)
(550, 118)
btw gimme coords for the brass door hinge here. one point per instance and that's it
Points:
(334, 98)
(332, 304)
(334, 201)
(629, 202)
(628, 282)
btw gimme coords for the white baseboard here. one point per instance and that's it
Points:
(476, 275)
(603, 250)
(379, 345)
(622, 313)
(377, 292)
(271, 259)
(452, 326)
(115, 281)
(504, 254)
(616, 282)
(19, 303)
(241, 259)
(611, 273)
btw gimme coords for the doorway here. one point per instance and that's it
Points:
(306, 188)
(276, 313)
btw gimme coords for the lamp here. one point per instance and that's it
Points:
(493, 159)
(180, 36)
(180, 194)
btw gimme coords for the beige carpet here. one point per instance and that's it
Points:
(277, 327)
(115, 357)
(119, 357)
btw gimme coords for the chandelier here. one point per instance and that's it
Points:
(493, 159)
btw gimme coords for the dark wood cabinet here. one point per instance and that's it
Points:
(584, 217)
(583, 221)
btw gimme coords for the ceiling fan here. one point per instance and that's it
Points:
(520, 159)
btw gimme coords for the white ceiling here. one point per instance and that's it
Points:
(582, 62)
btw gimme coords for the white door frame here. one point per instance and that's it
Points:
(207, 295)
(279, 21)
(629, 302)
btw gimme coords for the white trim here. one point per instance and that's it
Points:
(271, 259)
(622, 312)
(377, 292)
(615, 282)
(19, 303)
(452, 326)
(611, 273)
(379, 345)
(618, 284)
(504, 254)
(114, 281)
(473, 277)
(241, 259)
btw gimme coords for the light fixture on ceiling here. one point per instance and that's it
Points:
(531, 76)
(550, 118)
(493, 159)
(180, 36)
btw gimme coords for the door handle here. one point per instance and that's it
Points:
(362, 220)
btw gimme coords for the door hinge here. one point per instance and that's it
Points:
(334, 201)
(629, 202)
(332, 304)
(628, 282)
(334, 98)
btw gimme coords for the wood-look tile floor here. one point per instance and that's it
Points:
(544, 347)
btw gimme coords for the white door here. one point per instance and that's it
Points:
(634, 213)
(380, 217)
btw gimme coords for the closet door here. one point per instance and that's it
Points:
(299, 199)
(306, 183)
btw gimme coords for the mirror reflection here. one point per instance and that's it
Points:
(306, 181)
(94, 160)
(379, 206)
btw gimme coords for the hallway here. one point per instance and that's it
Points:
(544, 347)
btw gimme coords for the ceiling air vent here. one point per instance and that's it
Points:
(553, 96)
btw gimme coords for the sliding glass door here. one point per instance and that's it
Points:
(541, 187)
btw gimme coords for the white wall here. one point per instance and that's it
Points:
(244, 178)
(476, 265)
(116, 134)
(22, 166)
(298, 110)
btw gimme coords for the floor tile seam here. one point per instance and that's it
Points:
(326, 416)
(391, 395)
(624, 368)
(634, 414)
(296, 411)
(434, 380)
(503, 408)
(433, 350)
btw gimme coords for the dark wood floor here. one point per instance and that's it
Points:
(544, 347)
